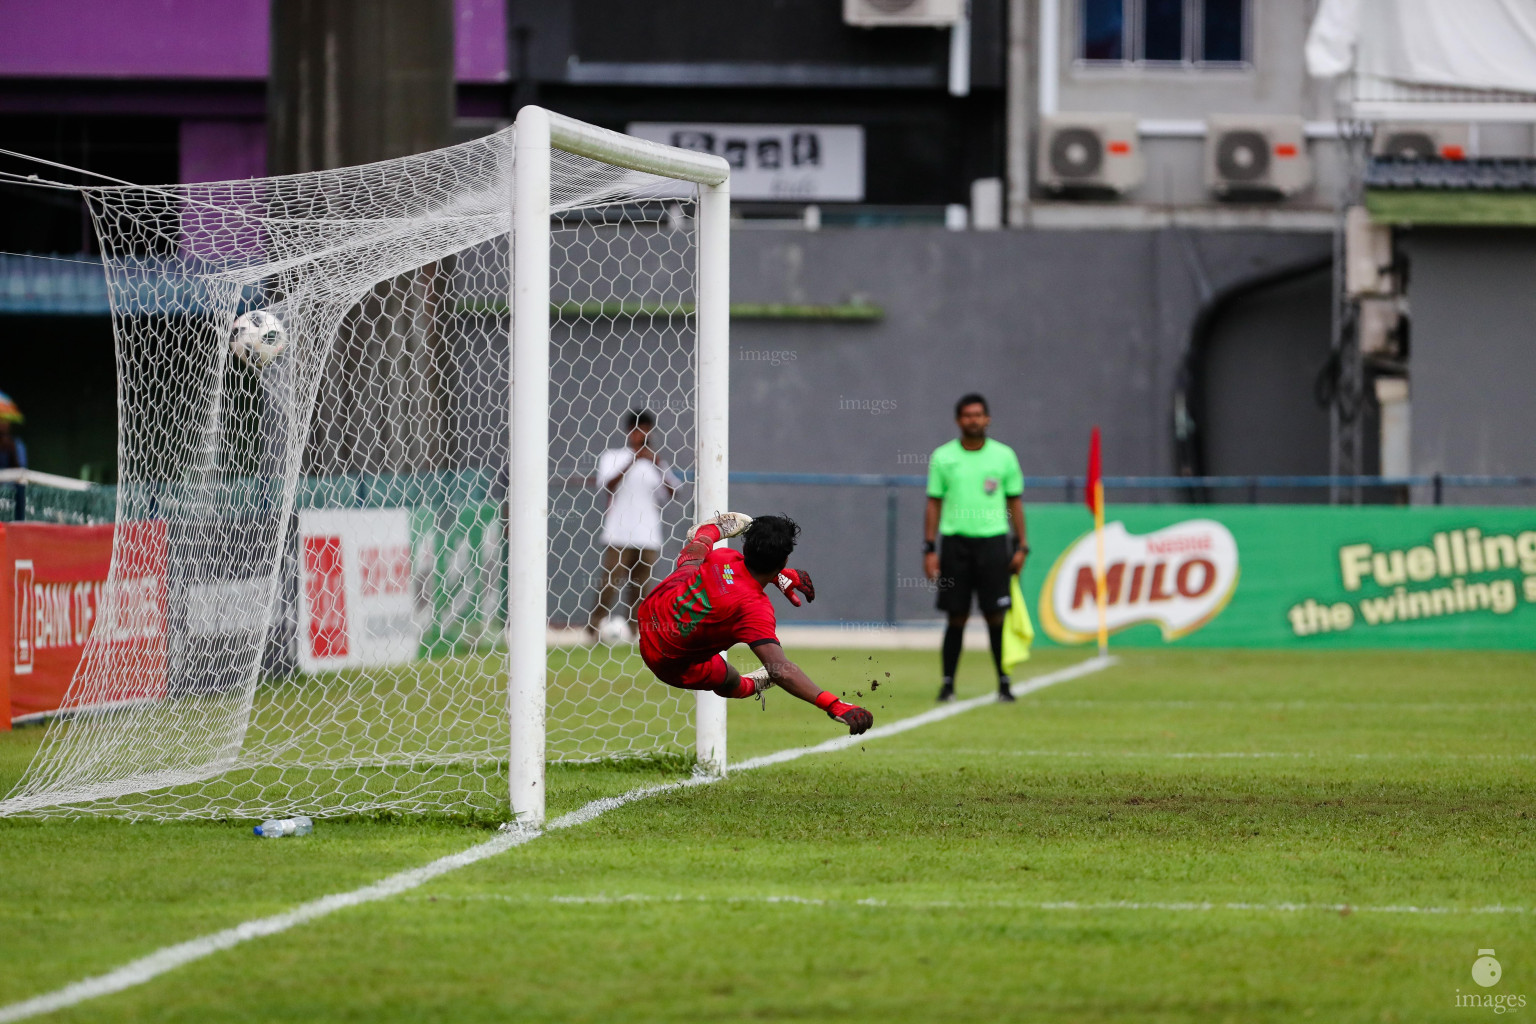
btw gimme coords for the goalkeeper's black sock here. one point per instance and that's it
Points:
(995, 634)
(954, 636)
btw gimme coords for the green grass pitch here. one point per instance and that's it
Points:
(1183, 836)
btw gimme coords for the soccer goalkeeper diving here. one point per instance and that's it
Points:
(715, 598)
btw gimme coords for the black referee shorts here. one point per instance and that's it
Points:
(974, 565)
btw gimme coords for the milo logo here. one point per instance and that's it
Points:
(1179, 578)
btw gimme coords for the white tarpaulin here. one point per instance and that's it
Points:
(1467, 44)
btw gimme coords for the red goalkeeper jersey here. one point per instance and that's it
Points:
(701, 610)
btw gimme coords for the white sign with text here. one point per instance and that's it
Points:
(790, 162)
(356, 604)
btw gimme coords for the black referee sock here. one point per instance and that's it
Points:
(995, 634)
(954, 636)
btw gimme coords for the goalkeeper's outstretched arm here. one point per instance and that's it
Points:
(789, 677)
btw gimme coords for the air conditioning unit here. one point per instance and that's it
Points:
(1255, 156)
(1421, 141)
(884, 13)
(1090, 153)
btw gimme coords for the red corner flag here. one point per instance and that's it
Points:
(1096, 506)
(1095, 490)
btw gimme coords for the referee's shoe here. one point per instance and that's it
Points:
(1004, 691)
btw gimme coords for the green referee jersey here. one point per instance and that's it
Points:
(975, 487)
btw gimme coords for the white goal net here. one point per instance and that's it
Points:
(308, 604)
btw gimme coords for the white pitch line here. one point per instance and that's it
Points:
(1222, 755)
(1495, 707)
(1199, 906)
(169, 958)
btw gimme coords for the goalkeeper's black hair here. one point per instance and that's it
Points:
(971, 399)
(768, 542)
(639, 417)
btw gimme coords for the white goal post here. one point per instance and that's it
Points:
(538, 133)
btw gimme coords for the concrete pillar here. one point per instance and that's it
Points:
(353, 81)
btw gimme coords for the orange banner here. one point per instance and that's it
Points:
(53, 597)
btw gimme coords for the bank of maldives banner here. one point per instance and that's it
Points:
(1289, 576)
(55, 598)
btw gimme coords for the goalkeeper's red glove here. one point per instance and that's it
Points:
(792, 580)
(857, 719)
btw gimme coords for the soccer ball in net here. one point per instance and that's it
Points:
(614, 631)
(258, 337)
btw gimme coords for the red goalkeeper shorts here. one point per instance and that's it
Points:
(690, 675)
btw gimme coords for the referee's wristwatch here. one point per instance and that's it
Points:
(928, 547)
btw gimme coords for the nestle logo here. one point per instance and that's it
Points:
(1179, 545)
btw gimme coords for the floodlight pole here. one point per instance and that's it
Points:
(712, 385)
(528, 475)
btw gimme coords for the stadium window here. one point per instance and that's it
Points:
(1222, 32)
(1164, 33)
(1104, 30)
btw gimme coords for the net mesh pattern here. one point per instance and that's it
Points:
(306, 608)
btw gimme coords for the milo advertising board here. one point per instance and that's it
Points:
(1288, 576)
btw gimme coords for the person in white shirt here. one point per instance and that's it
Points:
(638, 482)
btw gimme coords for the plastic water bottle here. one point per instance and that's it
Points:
(279, 827)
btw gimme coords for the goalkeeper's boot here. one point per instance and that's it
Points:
(947, 691)
(761, 680)
(730, 524)
(1005, 690)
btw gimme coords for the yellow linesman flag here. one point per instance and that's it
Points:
(1018, 631)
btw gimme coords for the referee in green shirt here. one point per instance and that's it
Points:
(975, 494)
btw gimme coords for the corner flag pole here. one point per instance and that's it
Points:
(1101, 588)
(1096, 503)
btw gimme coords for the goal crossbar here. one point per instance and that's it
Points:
(581, 139)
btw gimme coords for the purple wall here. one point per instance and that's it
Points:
(480, 40)
(134, 38)
(203, 39)
(223, 150)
